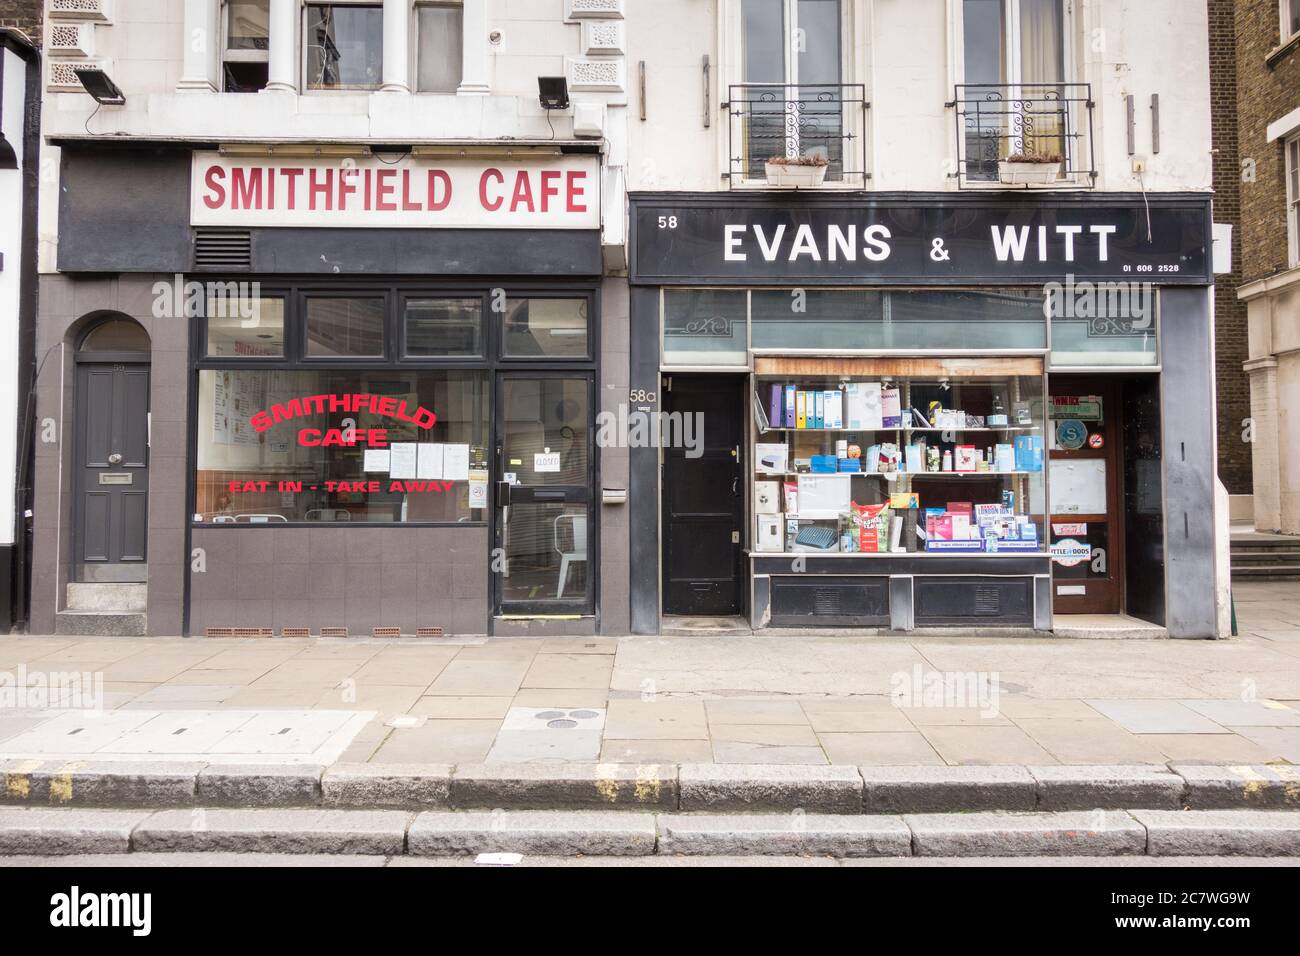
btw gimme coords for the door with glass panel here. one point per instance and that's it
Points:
(544, 531)
(1015, 67)
(791, 102)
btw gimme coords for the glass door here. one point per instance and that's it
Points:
(544, 562)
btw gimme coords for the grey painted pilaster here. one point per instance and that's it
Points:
(902, 614)
(1187, 407)
(643, 470)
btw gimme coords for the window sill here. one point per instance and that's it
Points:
(1282, 51)
(205, 525)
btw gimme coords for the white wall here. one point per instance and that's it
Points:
(906, 53)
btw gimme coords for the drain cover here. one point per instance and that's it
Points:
(584, 714)
(561, 724)
(550, 714)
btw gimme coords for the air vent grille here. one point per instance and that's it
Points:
(223, 250)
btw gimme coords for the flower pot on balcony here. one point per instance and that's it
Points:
(1030, 173)
(797, 173)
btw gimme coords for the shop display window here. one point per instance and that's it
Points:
(900, 456)
(389, 445)
(545, 327)
(247, 327)
(703, 327)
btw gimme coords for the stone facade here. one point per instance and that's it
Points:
(1268, 89)
(24, 15)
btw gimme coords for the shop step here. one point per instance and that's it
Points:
(132, 598)
(100, 623)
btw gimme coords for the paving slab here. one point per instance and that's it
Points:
(1240, 787)
(968, 744)
(1107, 787)
(386, 785)
(1245, 713)
(539, 832)
(1156, 717)
(946, 789)
(887, 749)
(742, 752)
(798, 834)
(659, 719)
(1221, 832)
(565, 786)
(48, 832)
(201, 830)
(1093, 833)
(830, 789)
(101, 783)
(259, 785)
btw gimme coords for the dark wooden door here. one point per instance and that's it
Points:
(112, 473)
(1086, 497)
(703, 496)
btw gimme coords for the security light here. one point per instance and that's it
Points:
(554, 92)
(99, 86)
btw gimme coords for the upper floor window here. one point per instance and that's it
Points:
(245, 49)
(792, 94)
(439, 46)
(1290, 19)
(343, 46)
(1292, 147)
(1011, 42)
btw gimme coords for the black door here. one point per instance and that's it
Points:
(112, 472)
(544, 533)
(703, 496)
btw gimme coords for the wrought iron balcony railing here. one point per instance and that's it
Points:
(1038, 119)
(787, 120)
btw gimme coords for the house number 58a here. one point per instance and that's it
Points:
(667, 222)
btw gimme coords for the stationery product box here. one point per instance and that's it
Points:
(915, 459)
(769, 533)
(776, 409)
(965, 458)
(904, 500)
(862, 406)
(824, 495)
(891, 407)
(767, 497)
(825, 464)
(1004, 458)
(772, 459)
(834, 409)
(851, 464)
(1029, 453)
(791, 490)
(819, 413)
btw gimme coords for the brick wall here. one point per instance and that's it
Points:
(1268, 87)
(25, 15)
(1233, 388)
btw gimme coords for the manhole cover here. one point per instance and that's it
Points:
(550, 714)
(561, 724)
(583, 714)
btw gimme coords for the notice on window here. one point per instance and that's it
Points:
(429, 461)
(403, 462)
(478, 488)
(376, 459)
(546, 461)
(455, 463)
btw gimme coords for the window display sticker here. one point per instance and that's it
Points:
(1068, 552)
(1086, 408)
(1071, 434)
(1077, 529)
(376, 459)
(429, 461)
(478, 489)
(455, 463)
(1079, 486)
(510, 478)
(546, 461)
(403, 462)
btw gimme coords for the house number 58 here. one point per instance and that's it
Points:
(667, 222)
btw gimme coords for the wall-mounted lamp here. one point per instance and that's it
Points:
(554, 92)
(99, 86)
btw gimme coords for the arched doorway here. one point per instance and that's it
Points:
(111, 465)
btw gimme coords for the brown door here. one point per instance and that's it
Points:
(1086, 532)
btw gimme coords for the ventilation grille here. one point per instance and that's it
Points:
(385, 632)
(239, 632)
(988, 601)
(333, 632)
(295, 632)
(428, 632)
(79, 9)
(223, 250)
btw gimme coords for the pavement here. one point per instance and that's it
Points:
(921, 700)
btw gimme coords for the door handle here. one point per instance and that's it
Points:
(503, 493)
(114, 459)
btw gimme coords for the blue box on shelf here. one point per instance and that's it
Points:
(824, 464)
(851, 464)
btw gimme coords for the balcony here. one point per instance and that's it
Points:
(825, 124)
(1033, 120)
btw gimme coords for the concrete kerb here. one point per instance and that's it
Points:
(717, 788)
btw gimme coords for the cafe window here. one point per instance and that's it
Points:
(545, 327)
(443, 326)
(345, 326)
(246, 53)
(344, 46)
(246, 326)
(439, 28)
(326, 446)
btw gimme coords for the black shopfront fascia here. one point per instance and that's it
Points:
(396, 291)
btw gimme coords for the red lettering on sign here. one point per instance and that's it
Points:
(491, 205)
(216, 196)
